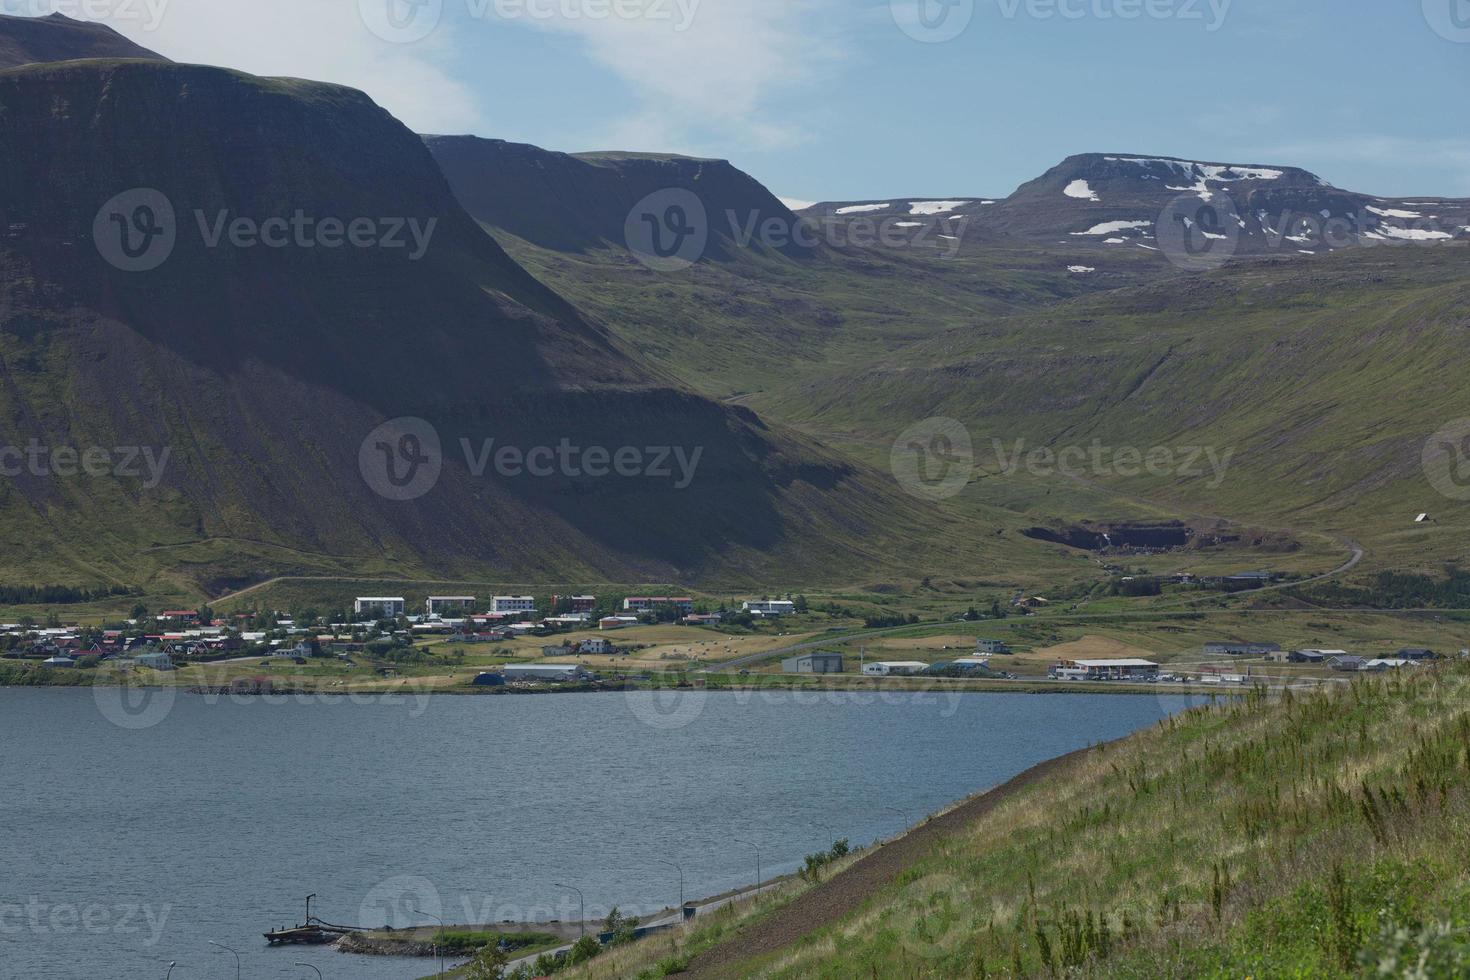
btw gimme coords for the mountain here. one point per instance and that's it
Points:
(576, 202)
(30, 40)
(1109, 202)
(139, 310)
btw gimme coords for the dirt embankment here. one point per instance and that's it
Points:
(830, 901)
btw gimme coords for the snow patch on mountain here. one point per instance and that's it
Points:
(1081, 190)
(1394, 212)
(1110, 227)
(933, 207)
(860, 208)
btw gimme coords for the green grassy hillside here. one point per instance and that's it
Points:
(1318, 835)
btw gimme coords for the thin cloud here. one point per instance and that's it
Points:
(704, 71)
(325, 40)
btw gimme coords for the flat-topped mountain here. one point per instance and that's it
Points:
(1102, 201)
(315, 277)
(572, 202)
(31, 40)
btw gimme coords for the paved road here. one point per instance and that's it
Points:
(755, 658)
(673, 918)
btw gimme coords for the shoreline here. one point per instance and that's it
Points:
(1022, 686)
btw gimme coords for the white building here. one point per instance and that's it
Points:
(769, 607)
(385, 607)
(885, 668)
(450, 603)
(157, 661)
(644, 603)
(983, 645)
(598, 645)
(513, 604)
(1119, 669)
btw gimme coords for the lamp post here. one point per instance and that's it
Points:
(582, 900)
(676, 866)
(310, 967)
(236, 952)
(747, 843)
(170, 972)
(438, 953)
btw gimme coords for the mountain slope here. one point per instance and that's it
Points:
(30, 40)
(264, 371)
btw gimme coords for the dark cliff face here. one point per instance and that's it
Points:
(572, 202)
(30, 40)
(263, 367)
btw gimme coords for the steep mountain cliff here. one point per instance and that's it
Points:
(251, 289)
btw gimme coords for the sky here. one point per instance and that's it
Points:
(864, 99)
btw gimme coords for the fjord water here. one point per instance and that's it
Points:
(131, 839)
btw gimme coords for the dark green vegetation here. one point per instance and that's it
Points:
(263, 370)
(1317, 835)
(1294, 396)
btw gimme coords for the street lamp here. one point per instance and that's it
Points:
(675, 865)
(437, 952)
(170, 972)
(310, 967)
(236, 952)
(582, 899)
(757, 863)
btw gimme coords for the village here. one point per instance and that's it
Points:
(564, 641)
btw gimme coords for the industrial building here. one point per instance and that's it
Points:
(813, 663)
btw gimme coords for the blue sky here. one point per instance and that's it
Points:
(835, 99)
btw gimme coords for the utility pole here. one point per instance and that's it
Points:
(677, 867)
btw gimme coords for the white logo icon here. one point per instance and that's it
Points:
(932, 21)
(401, 459)
(136, 231)
(401, 21)
(934, 459)
(668, 230)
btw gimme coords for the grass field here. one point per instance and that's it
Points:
(1308, 836)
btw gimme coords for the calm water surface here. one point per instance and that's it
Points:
(136, 833)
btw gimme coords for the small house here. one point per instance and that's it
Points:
(887, 668)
